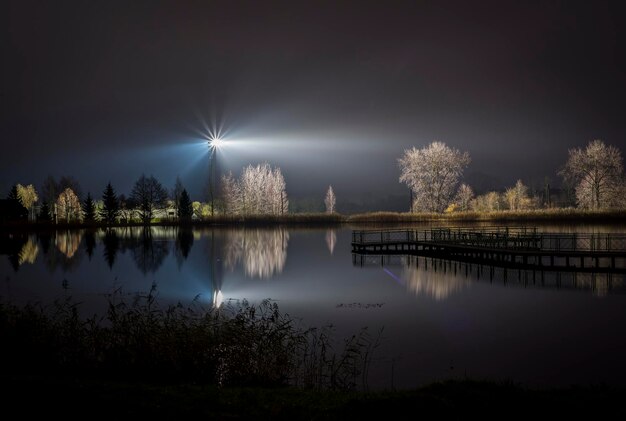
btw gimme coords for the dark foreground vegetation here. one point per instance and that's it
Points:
(239, 362)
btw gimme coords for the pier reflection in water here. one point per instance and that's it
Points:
(439, 278)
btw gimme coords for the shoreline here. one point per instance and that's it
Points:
(556, 216)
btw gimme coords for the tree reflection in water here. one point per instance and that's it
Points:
(184, 241)
(262, 252)
(422, 278)
(66, 252)
(90, 243)
(29, 252)
(331, 240)
(68, 242)
(111, 246)
(149, 252)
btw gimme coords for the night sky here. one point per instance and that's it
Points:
(332, 92)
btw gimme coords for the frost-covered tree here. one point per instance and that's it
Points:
(596, 171)
(231, 194)
(432, 173)
(68, 206)
(260, 190)
(149, 194)
(464, 196)
(329, 201)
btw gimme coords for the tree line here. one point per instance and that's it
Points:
(433, 174)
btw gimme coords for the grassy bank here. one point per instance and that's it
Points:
(529, 216)
(460, 399)
(556, 215)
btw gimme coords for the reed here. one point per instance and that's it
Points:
(237, 345)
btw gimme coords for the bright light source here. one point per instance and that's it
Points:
(216, 143)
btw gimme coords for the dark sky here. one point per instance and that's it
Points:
(332, 92)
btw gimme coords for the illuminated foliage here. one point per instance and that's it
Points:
(68, 206)
(517, 197)
(432, 173)
(596, 172)
(201, 210)
(488, 202)
(28, 197)
(329, 201)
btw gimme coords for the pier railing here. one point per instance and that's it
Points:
(523, 238)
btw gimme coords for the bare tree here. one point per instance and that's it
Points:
(231, 194)
(596, 171)
(68, 205)
(464, 196)
(329, 201)
(261, 190)
(432, 173)
(177, 191)
(149, 195)
(50, 190)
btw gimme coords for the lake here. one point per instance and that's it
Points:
(435, 319)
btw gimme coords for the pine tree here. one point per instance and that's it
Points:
(111, 206)
(15, 209)
(185, 208)
(44, 213)
(89, 209)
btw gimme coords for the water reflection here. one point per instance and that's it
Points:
(29, 252)
(148, 252)
(12, 245)
(90, 243)
(440, 278)
(437, 284)
(184, 242)
(331, 240)
(261, 252)
(111, 245)
(67, 242)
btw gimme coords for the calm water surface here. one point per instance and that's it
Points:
(439, 320)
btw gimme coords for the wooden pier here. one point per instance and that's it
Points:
(501, 246)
